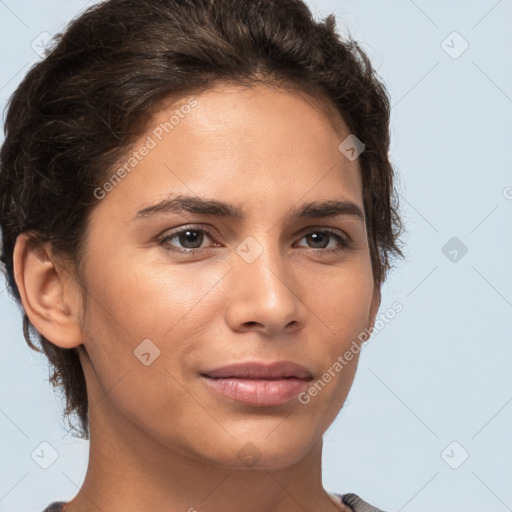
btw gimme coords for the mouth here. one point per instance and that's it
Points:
(258, 383)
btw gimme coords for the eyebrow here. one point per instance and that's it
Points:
(200, 205)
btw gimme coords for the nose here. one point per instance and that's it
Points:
(265, 295)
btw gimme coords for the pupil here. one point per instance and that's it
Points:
(192, 238)
(316, 237)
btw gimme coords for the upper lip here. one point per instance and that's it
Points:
(260, 370)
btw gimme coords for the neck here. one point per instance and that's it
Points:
(129, 471)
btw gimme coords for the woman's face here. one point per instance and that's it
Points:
(173, 294)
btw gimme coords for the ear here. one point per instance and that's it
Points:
(49, 292)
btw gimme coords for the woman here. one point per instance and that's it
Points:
(198, 213)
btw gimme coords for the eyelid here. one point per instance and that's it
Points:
(344, 237)
(209, 231)
(302, 232)
(176, 231)
(328, 229)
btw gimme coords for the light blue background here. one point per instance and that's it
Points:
(440, 371)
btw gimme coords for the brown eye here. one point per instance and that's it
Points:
(322, 238)
(189, 239)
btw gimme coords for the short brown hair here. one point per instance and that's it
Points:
(78, 110)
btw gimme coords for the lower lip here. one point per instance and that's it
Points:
(259, 391)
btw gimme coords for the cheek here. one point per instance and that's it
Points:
(343, 299)
(344, 309)
(152, 299)
(131, 302)
(133, 369)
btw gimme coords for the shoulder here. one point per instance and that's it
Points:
(356, 503)
(56, 506)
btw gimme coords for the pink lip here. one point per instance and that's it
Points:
(259, 391)
(259, 370)
(258, 383)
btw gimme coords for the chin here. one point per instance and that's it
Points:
(263, 452)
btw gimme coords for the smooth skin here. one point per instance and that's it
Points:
(160, 438)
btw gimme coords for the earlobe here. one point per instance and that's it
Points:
(45, 292)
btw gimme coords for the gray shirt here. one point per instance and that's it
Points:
(351, 500)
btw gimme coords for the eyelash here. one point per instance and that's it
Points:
(163, 240)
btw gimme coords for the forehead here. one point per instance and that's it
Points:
(252, 146)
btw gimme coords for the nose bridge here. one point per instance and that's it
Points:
(260, 262)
